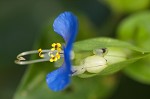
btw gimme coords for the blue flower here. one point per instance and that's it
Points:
(66, 25)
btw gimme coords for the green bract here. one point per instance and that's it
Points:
(119, 54)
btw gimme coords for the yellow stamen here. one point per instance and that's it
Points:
(56, 46)
(58, 55)
(53, 45)
(53, 58)
(58, 49)
(40, 53)
(40, 50)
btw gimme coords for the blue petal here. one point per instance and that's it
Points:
(66, 24)
(60, 79)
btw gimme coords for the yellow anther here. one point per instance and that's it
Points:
(40, 53)
(58, 49)
(58, 55)
(53, 58)
(40, 50)
(56, 46)
(53, 45)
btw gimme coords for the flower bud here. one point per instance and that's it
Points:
(115, 55)
(94, 64)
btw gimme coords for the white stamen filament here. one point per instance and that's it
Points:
(47, 55)
(22, 61)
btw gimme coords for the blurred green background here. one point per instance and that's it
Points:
(22, 23)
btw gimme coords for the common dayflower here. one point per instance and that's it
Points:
(66, 25)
